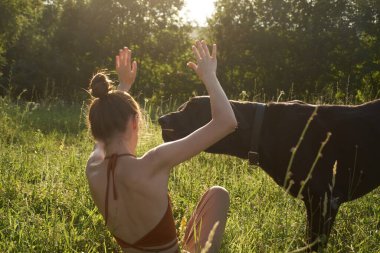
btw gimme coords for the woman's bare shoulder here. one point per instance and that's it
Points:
(93, 167)
(152, 160)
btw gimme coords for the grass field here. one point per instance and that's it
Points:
(45, 204)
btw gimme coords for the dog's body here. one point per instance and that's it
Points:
(353, 146)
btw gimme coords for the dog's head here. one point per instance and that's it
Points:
(197, 112)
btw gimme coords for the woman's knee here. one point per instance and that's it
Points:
(221, 194)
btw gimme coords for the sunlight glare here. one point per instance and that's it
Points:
(198, 10)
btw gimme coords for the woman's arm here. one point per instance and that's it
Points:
(125, 70)
(223, 120)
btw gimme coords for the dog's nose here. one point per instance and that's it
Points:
(163, 120)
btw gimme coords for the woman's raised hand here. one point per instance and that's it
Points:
(125, 70)
(206, 63)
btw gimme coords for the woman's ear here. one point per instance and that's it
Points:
(135, 121)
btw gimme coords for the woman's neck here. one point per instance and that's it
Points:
(119, 146)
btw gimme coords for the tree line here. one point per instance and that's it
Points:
(302, 47)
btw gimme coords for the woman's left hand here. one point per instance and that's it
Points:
(125, 70)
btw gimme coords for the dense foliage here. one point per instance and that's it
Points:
(302, 47)
(66, 41)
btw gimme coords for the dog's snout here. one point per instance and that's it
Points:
(163, 120)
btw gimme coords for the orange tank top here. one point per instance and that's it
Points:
(162, 237)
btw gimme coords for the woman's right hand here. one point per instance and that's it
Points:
(222, 123)
(206, 63)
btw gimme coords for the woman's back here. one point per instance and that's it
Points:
(142, 198)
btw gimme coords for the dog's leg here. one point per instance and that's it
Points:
(321, 213)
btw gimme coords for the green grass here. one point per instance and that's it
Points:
(45, 205)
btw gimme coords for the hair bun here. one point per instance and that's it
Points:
(100, 85)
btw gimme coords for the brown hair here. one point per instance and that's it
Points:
(110, 109)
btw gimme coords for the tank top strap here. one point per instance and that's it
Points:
(111, 169)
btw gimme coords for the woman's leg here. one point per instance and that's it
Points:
(212, 208)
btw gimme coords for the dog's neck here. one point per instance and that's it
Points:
(258, 118)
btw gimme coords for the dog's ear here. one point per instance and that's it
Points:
(240, 116)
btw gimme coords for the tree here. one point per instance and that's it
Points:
(15, 16)
(297, 45)
(70, 39)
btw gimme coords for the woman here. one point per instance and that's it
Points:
(131, 192)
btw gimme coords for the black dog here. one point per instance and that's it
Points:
(335, 161)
